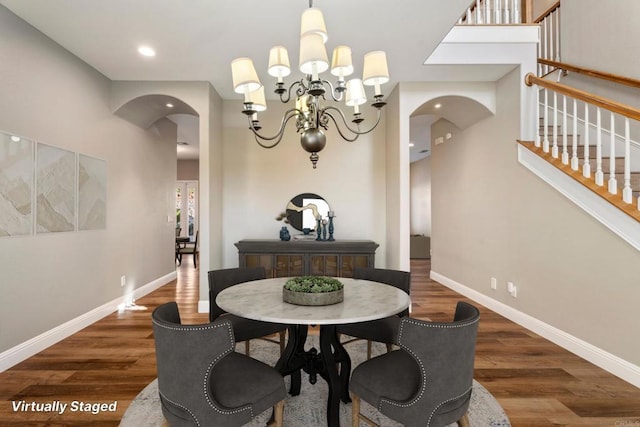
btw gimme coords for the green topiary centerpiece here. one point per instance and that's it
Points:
(313, 290)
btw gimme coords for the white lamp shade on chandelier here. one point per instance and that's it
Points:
(312, 22)
(375, 71)
(257, 99)
(245, 78)
(341, 64)
(279, 65)
(355, 93)
(313, 55)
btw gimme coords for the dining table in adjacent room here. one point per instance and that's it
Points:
(363, 301)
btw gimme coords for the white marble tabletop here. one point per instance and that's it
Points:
(262, 300)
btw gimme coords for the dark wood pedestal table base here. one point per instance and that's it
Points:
(363, 300)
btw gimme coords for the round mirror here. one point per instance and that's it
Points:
(303, 210)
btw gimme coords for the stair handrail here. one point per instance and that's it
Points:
(600, 101)
(627, 81)
(547, 12)
(571, 155)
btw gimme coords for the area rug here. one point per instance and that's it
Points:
(308, 409)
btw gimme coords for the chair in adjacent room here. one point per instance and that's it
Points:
(243, 329)
(382, 330)
(203, 381)
(189, 249)
(428, 381)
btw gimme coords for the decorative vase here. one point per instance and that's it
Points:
(284, 233)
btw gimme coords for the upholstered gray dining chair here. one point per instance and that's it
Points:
(202, 381)
(428, 381)
(243, 329)
(381, 330)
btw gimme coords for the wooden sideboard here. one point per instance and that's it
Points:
(307, 257)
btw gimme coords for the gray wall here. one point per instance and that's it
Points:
(188, 170)
(51, 96)
(601, 35)
(494, 218)
(420, 177)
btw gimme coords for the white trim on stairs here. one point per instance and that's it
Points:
(607, 361)
(603, 211)
(23, 351)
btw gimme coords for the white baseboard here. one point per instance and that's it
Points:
(607, 361)
(23, 351)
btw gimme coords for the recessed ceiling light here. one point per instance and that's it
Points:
(15, 138)
(146, 51)
(437, 106)
(411, 144)
(169, 105)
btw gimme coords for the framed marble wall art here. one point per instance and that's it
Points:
(92, 193)
(55, 189)
(16, 185)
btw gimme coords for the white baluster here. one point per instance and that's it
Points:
(574, 156)
(586, 166)
(537, 113)
(545, 40)
(599, 173)
(557, 37)
(505, 19)
(487, 11)
(517, 17)
(545, 143)
(565, 136)
(613, 184)
(468, 16)
(477, 13)
(554, 148)
(551, 36)
(627, 193)
(498, 12)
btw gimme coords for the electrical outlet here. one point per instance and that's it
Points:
(494, 283)
(123, 281)
(510, 286)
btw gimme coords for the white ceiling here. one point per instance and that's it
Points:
(196, 40)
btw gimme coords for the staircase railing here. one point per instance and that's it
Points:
(628, 81)
(588, 118)
(549, 46)
(492, 12)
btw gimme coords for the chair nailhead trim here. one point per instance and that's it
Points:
(216, 360)
(423, 386)
(422, 368)
(206, 388)
(182, 407)
(444, 402)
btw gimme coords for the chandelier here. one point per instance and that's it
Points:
(310, 112)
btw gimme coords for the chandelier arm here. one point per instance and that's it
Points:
(344, 121)
(299, 92)
(333, 91)
(288, 115)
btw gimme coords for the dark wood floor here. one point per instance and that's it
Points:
(537, 382)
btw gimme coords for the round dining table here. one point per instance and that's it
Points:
(364, 300)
